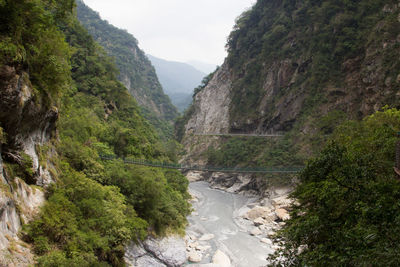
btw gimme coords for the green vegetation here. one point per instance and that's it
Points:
(348, 212)
(253, 152)
(135, 69)
(181, 121)
(318, 38)
(36, 42)
(3, 138)
(204, 82)
(95, 207)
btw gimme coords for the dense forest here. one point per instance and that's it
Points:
(94, 207)
(347, 210)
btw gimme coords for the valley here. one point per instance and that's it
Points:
(287, 154)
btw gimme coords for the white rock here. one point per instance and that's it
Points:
(193, 245)
(282, 201)
(257, 212)
(255, 231)
(271, 234)
(171, 250)
(263, 227)
(194, 257)
(147, 260)
(221, 259)
(259, 221)
(282, 214)
(266, 241)
(206, 237)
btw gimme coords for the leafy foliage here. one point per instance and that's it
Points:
(29, 36)
(85, 220)
(318, 38)
(95, 207)
(348, 212)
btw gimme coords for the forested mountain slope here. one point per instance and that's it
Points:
(62, 108)
(304, 68)
(297, 67)
(135, 69)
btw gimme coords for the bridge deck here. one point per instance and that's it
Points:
(209, 168)
(238, 134)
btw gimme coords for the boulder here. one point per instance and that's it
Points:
(255, 231)
(282, 214)
(282, 201)
(271, 234)
(194, 257)
(259, 221)
(169, 250)
(257, 212)
(221, 259)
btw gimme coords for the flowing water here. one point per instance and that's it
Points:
(218, 214)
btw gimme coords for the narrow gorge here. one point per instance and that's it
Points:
(288, 154)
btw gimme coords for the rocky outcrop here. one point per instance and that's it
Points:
(211, 114)
(169, 251)
(28, 119)
(306, 94)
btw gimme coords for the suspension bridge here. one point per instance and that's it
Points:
(186, 167)
(237, 134)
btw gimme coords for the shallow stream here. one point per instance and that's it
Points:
(217, 213)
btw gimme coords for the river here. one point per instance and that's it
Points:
(217, 213)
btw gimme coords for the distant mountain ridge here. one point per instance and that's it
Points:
(178, 80)
(136, 71)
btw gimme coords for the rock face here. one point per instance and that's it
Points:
(169, 251)
(211, 112)
(29, 122)
(260, 89)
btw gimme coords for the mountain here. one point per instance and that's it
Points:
(202, 66)
(299, 69)
(66, 124)
(135, 69)
(178, 80)
(326, 76)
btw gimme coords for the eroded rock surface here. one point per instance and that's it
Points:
(169, 251)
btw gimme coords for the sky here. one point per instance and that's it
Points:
(177, 30)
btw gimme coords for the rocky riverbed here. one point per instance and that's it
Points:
(236, 226)
(225, 229)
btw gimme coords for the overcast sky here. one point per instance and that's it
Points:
(179, 30)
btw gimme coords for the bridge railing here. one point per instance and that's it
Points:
(206, 168)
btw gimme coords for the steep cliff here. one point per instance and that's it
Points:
(135, 69)
(62, 110)
(299, 68)
(28, 124)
